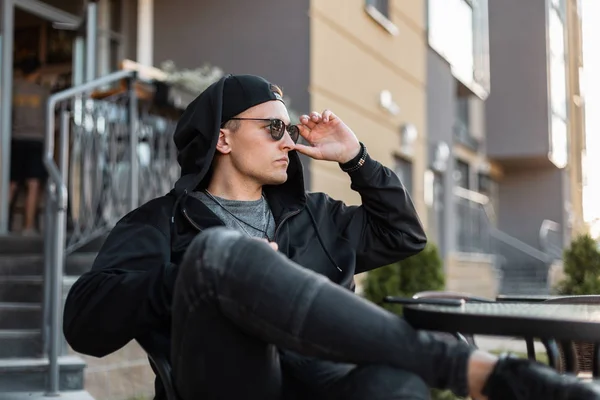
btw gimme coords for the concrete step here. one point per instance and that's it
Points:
(21, 289)
(76, 395)
(17, 244)
(20, 315)
(28, 289)
(31, 374)
(33, 264)
(15, 343)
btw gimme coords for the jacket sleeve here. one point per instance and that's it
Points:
(127, 292)
(385, 228)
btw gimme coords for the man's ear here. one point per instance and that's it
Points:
(223, 145)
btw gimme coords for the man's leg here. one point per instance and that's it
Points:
(35, 172)
(268, 297)
(31, 205)
(329, 380)
(16, 172)
(213, 359)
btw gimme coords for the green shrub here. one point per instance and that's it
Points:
(421, 272)
(582, 267)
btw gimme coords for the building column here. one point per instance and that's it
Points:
(145, 36)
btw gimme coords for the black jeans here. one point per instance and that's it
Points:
(248, 323)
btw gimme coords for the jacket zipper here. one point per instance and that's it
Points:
(285, 218)
(195, 225)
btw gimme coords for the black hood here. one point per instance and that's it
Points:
(198, 129)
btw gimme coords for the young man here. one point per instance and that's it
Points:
(28, 134)
(272, 318)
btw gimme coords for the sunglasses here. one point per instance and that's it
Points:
(277, 128)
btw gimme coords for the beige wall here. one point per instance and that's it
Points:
(473, 274)
(352, 60)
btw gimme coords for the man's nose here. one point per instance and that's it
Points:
(286, 141)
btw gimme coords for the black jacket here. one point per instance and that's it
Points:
(127, 294)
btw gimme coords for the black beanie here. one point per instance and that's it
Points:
(241, 92)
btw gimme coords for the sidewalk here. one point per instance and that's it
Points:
(500, 344)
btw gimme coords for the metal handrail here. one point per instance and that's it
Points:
(57, 209)
(545, 229)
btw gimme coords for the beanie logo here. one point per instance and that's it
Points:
(276, 92)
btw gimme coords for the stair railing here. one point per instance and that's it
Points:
(58, 200)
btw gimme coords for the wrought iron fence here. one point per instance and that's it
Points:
(100, 164)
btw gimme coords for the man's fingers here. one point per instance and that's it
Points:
(307, 122)
(328, 115)
(310, 151)
(273, 245)
(315, 116)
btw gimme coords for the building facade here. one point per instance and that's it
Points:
(464, 195)
(535, 131)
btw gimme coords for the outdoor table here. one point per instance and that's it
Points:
(549, 322)
(525, 298)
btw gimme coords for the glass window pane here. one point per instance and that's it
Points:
(558, 86)
(451, 34)
(381, 5)
(556, 32)
(461, 174)
(559, 142)
(404, 170)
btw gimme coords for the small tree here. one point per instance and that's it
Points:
(423, 271)
(582, 267)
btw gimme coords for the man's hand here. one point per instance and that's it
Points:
(329, 138)
(273, 245)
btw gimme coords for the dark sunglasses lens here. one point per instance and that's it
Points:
(294, 132)
(277, 129)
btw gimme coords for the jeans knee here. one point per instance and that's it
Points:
(208, 254)
(212, 246)
(380, 382)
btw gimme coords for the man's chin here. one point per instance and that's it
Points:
(276, 180)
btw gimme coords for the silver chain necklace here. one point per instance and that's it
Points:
(238, 220)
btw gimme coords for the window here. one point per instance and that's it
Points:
(461, 174)
(559, 152)
(379, 10)
(458, 30)
(382, 6)
(559, 141)
(558, 84)
(404, 170)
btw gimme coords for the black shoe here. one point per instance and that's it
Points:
(521, 379)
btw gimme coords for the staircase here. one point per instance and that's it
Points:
(92, 185)
(23, 365)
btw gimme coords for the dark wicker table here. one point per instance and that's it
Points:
(550, 322)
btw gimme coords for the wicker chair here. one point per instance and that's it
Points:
(580, 354)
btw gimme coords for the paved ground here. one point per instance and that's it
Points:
(82, 395)
(491, 343)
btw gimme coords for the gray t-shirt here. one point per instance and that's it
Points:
(254, 218)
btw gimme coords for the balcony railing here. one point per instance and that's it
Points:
(474, 222)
